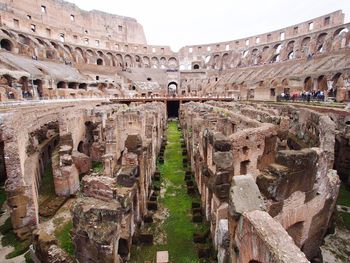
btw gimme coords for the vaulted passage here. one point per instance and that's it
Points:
(173, 109)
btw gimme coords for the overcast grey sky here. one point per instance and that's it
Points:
(184, 22)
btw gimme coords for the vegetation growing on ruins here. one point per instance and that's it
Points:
(178, 226)
(10, 239)
(344, 196)
(64, 238)
(97, 167)
(47, 188)
(344, 200)
(28, 258)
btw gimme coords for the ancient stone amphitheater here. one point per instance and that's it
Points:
(113, 150)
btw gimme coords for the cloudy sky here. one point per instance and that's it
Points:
(185, 22)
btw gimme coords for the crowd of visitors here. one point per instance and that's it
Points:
(303, 96)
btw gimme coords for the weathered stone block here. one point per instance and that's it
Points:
(82, 162)
(127, 176)
(223, 160)
(244, 195)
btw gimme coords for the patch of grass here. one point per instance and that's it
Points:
(47, 185)
(10, 239)
(344, 199)
(28, 258)
(64, 238)
(345, 217)
(344, 196)
(97, 167)
(6, 227)
(178, 226)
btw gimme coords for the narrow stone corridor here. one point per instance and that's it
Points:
(172, 225)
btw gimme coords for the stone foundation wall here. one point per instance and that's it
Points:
(242, 163)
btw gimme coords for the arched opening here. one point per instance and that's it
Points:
(61, 85)
(305, 45)
(155, 62)
(128, 61)
(123, 248)
(291, 55)
(195, 66)
(320, 42)
(111, 59)
(173, 109)
(119, 60)
(55, 45)
(23, 39)
(322, 83)
(275, 58)
(138, 61)
(26, 93)
(265, 49)
(41, 43)
(99, 61)
(79, 55)
(207, 59)
(7, 80)
(38, 84)
(72, 85)
(83, 86)
(255, 56)
(277, 48)
(6, 44)
(172, 88)
(245, 53)
(6, 32)
(172, 63)
(308, 84)
(44, 174)
(89, 138)
(337, 81)
(254, 261)
(81, 147)
(244, 167)
(146, 62)
(340, 31)
(320, 49)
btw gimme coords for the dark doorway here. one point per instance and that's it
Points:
(173, 109)
(244, 167)
(123, 248)
(6, 44)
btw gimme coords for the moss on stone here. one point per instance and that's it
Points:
(97, 167)
(344, 196)
(10, 239)
(47, 187)
(64, 237)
